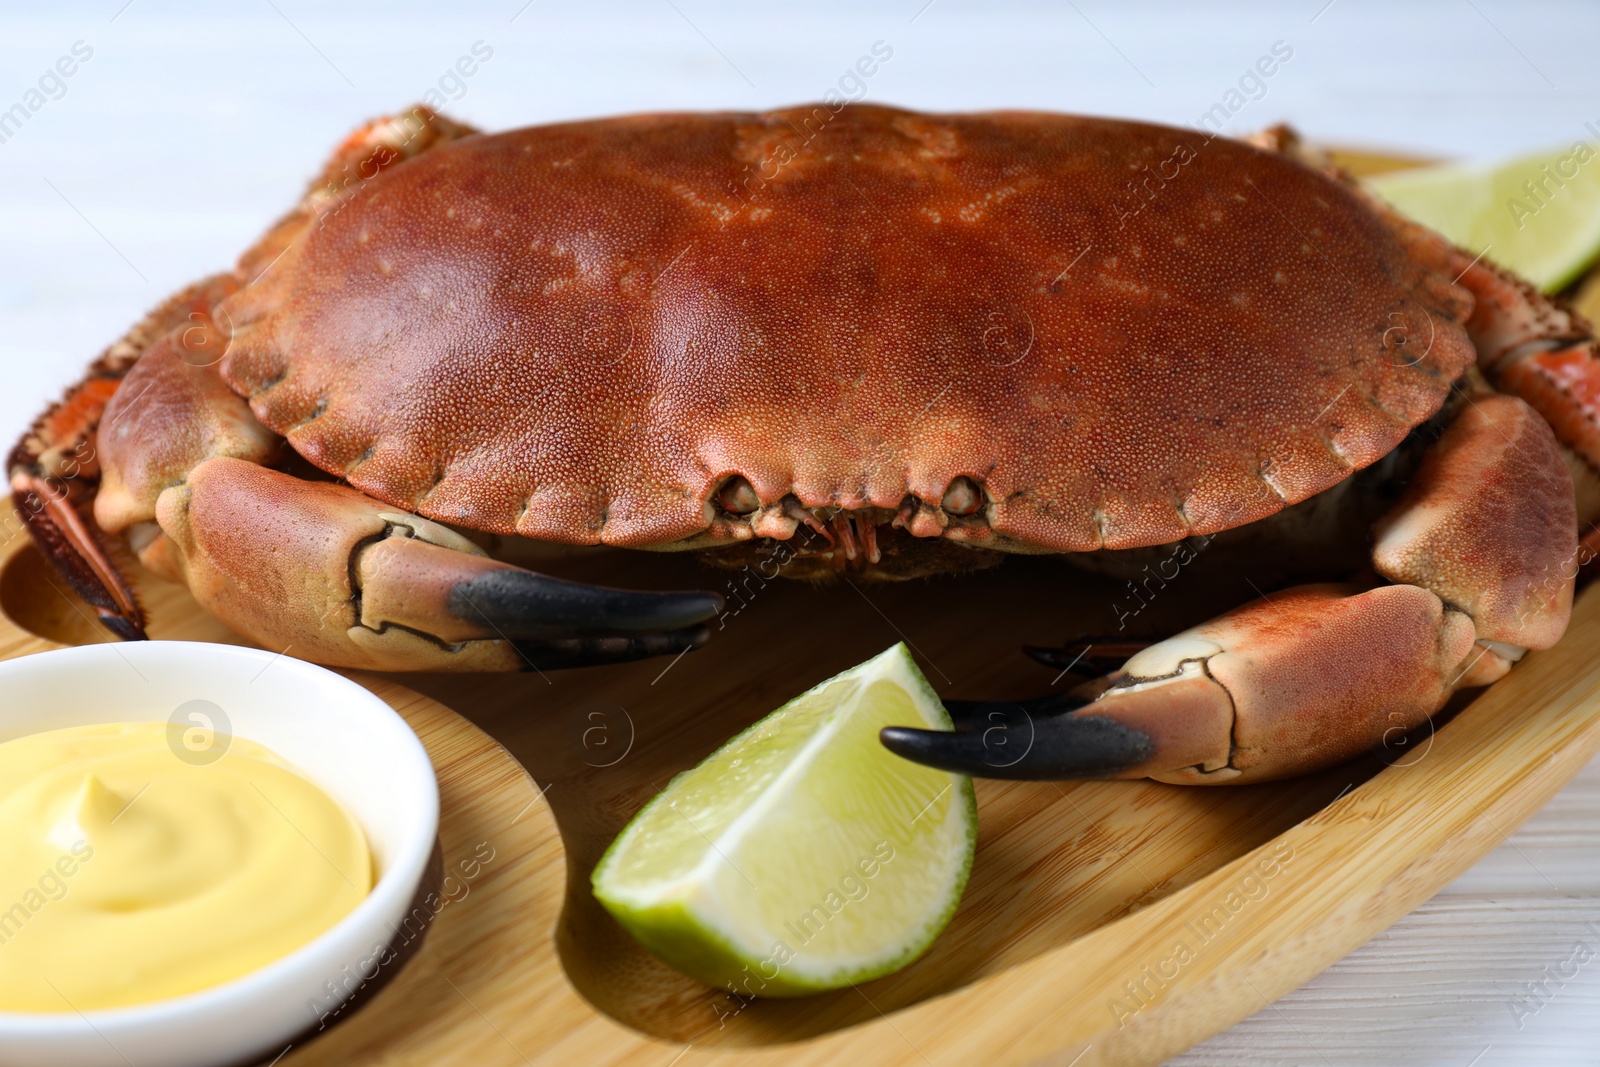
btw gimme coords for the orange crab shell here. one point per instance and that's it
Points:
(578, 332)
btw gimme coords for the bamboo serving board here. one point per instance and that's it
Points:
(1105, 922)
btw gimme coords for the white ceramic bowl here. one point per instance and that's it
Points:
(345, 739)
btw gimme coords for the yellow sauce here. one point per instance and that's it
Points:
(128, 874)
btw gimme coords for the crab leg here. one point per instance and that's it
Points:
(1480, 549)
(54, 470)
(1539, 351)
(1528, 344)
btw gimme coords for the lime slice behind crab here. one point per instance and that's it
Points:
(802, 855)
(1538, 215)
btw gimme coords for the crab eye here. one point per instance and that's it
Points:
(737, 496)
(962, 498)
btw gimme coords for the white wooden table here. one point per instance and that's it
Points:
(192, 125)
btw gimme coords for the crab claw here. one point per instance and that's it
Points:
(332, 575)
(972, 714)
(1039, 738)
(1311, 677)
(520, 603)
(551, 622)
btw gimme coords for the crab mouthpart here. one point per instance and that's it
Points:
(854, 542)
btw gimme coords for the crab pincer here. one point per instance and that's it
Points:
(330, 572)
(1479, 552)
(1311, 676)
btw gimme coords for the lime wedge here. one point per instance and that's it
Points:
(1539, 215)
(802, 855)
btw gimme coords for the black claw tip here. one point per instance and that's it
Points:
(1025, 746)
(519, 603)
(985, 714)
(561, 653)
(126, 629)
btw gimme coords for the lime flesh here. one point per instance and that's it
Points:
(802, 855)
(1538, 216)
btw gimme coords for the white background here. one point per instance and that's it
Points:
(194, 125)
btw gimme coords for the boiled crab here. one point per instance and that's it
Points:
(918, 342)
